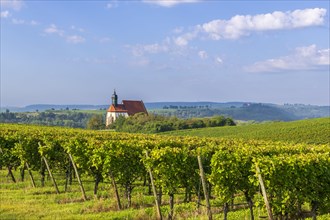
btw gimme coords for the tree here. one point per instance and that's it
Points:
(95, 122)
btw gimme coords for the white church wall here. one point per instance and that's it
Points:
(112, 116)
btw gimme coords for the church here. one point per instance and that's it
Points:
(126, 109)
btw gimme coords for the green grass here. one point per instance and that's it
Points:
(21, 201)
(313, 131)
(96, 111)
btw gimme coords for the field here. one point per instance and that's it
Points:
(22, 201)
(296, 174)
(313, 131)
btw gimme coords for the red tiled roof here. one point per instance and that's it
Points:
(134, 107)
(129, 106)
(118, 108)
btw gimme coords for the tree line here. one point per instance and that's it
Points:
(51, 118)
(140, 122)
(151, 123)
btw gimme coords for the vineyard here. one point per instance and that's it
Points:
(216, 177)
(312, 131)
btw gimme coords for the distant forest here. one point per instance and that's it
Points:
(247, 111)
(51, 118)
(73, 117)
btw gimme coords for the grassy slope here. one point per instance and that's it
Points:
(315, 131)
(21, 201)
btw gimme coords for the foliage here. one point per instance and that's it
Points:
(96, 122)
(314, 131)
(54, 118)
(296, 180)
(151, 123)
(294, 174)
(174, 167)
(237, 180)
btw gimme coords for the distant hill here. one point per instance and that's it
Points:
(149, 106)
(244, 111)
(44, 107)
(161, 105)
(237, 110)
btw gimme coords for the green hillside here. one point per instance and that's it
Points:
(246, 111)
(316, 131)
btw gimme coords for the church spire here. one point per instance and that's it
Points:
(114, 98)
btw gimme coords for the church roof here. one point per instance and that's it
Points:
(134, 107)
(129, 106)
(117, 108)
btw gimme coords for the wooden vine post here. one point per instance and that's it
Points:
(116, 189)
(30, 174)
(264, 194)
(199, 194)
(201, 170)
(159, 213)
(67, 176)
(51, 175)
(78, 178)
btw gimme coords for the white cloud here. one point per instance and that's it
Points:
(93, 60)
(243, 25)
(218, 60)
(184, 39)
(178, 30)
(52, 29)
(141, 62)
(75, 39)
(21, 21)
(77, 28)
(104, 40)
(303, 58)
(12, 4)
(140, 50)
(308, 17)
(240, 25)
(18, 21)
(181, 41)
(112, 4)
(33, 22)
(202, 54)
(169, 3)
(5, 14)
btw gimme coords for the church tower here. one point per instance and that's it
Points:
(114, 98)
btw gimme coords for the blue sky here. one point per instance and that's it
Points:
(77, 52)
